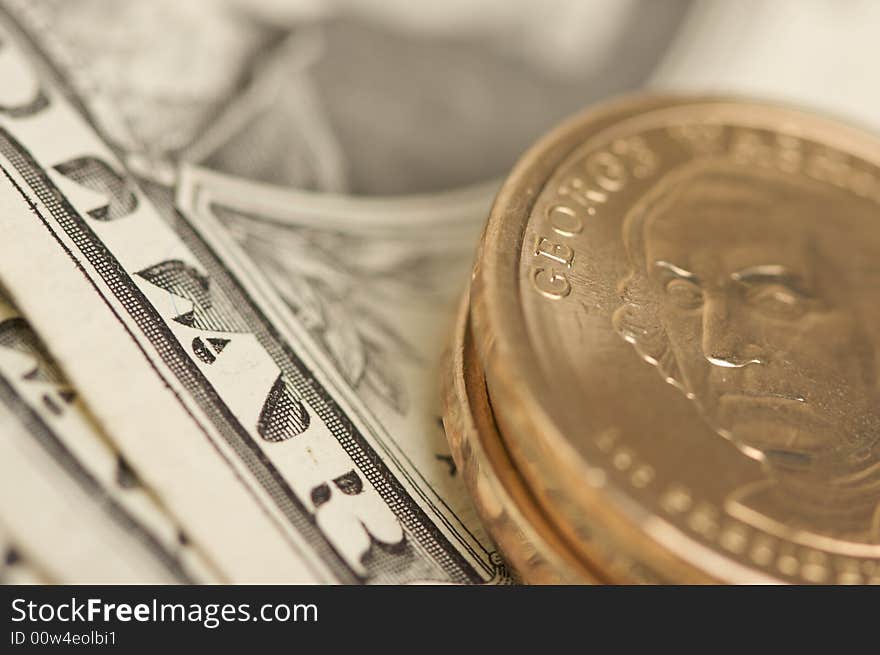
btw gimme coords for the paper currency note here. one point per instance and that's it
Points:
(64, 484)
(183, 353)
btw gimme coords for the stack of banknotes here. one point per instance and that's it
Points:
(235, 234)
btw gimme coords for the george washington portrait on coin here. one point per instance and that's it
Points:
(754, 292)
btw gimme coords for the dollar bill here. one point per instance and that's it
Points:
(186, 357)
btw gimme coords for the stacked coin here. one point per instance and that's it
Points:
(666, 368)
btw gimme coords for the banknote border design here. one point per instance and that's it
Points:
(367, 460)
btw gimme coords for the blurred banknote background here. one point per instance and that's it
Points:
(219, 344)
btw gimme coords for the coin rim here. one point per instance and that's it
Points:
(521, 531)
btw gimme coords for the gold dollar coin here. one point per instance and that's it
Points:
(674, 309)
